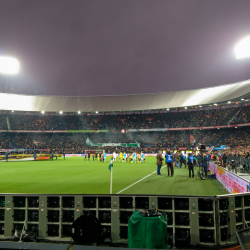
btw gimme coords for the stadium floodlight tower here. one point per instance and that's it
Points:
(8, 66)
(242, 51)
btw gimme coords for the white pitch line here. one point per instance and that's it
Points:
(137, 181)
(8, 171)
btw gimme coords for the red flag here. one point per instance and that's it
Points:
(192, 139)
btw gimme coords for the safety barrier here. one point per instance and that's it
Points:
(244, 162)
(194, 220)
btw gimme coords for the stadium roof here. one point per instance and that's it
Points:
(154, 101)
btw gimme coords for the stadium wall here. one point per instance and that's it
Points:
(201, 221)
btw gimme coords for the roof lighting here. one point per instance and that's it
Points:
(79, 112)
(185, 107)
(97, 112)
(200, 106)
(60, 112)
(229, 102)
(42, 112)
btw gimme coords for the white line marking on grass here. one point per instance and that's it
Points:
(138, 181)
(8, 171)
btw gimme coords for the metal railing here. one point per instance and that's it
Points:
(244, 162)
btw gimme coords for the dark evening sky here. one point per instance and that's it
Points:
(109, 47)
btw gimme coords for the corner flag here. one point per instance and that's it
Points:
(110, 164)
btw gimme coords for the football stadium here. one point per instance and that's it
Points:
(124, 124)
(73, 159)
(79, 141)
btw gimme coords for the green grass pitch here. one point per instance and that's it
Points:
(76, 176)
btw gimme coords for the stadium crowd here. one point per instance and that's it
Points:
(5, 141)
(3, 122)
(197, 118)
(150, 142)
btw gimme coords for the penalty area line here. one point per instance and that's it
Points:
(138, 181)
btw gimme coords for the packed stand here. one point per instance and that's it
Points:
(150, 142)
(3, 122)
(5, 142)
(48, 122)
(137, 120)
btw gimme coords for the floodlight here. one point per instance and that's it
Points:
(215, 104)
(185, 107)
(242, 99)
(60, 112)
(79, 112)
(8, 65)
(200, 106)
(12, 111)
(42, 112)
(229, 102)
(96, 112)
(242, 49)
(167, 109)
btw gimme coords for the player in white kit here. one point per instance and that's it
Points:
(114, 156)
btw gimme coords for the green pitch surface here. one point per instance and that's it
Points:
(76, 176)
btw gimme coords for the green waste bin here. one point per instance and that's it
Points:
(147, 232)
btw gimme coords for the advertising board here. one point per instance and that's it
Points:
(233, 183)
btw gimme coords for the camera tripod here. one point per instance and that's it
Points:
(199, 172)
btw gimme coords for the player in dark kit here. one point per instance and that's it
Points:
(183, 160)
(101, 158)
(6, 156)
(34, 156)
